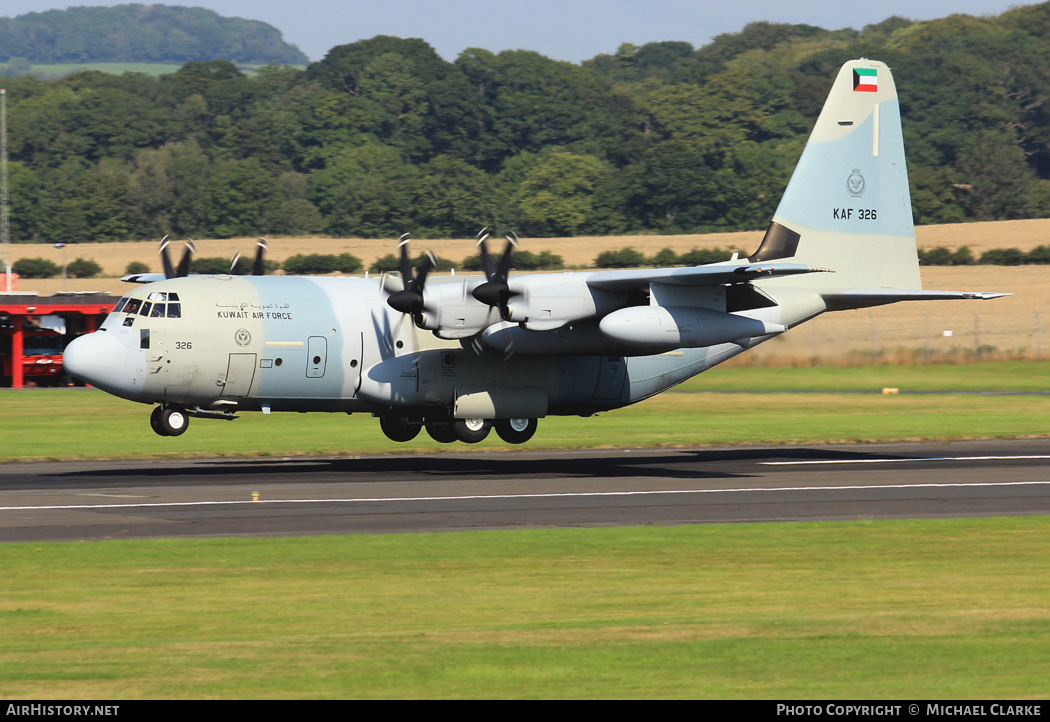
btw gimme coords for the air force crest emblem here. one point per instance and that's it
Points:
(855, 184)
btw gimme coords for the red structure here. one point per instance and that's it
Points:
(82, 312)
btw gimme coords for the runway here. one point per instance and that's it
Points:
(504, 490)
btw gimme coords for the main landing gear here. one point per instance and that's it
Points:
(516, 431)
(445, 429)
(169, 420)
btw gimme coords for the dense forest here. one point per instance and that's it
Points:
(140, 34)
(383, 136)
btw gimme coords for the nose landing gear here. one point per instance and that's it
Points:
(169, 420)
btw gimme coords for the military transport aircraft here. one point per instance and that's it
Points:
(458, 355)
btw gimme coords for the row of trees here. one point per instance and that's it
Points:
(43, 268)
(141, 34)
(346, 263)
(383, 136)
(963, 256)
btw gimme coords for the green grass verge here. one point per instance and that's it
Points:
(38, 424)
(953, 609)
(1005, 376)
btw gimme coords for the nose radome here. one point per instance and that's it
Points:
(98, 359)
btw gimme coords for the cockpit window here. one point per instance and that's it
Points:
(155, 307)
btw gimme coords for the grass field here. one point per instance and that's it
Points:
(916, 609)
(951, 609)
(37, 424)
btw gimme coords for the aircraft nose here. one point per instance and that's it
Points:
(98, 359)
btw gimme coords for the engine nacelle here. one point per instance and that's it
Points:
(682, 326)
(550, 302)
(451, 312)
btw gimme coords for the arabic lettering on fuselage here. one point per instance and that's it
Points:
(246, 310)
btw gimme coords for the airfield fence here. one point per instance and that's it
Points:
(863, 338)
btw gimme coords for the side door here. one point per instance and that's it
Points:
(612, 374)
(316, 357)
(239, 374)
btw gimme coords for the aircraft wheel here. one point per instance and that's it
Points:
(470, 431)
(173, 421)
(441, 433)
(399, 428)
(516, 431)
(154, 421)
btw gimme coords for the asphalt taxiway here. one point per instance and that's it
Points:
(522, 489)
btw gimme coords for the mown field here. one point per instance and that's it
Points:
(943, 609)
(916, 609)
(38, 424)
(577, 252)
(950, 609)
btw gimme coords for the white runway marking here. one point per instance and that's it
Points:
(899, 461)
(485, 497)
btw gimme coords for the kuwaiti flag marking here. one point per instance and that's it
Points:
(865, 80)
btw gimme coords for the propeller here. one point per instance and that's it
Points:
(258, 266)
(169, 270)
(410, 299)
(495, 291)
(183, 268)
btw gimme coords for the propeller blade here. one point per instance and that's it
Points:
(410, 299)
(259, 267)
(429, 264)
(406, 262)
(233, 262)
(495, 291)
(183, 269)
(486, 260)
(165, 259)
(504, 262)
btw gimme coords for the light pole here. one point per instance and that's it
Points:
(63, 247)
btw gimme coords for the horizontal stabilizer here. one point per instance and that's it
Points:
(865, 298)
(712, 275)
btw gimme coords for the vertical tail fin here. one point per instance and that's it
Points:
(848, 206)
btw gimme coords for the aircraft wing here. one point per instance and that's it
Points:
(712, 275)
(143, 278)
